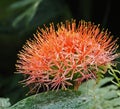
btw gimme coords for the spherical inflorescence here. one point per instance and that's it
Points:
(66, 56)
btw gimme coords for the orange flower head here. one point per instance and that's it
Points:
(66, 56)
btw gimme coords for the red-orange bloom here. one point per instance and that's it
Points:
(67, 55)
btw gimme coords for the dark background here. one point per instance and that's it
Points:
(19, 19)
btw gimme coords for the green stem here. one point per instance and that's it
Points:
(114, 73)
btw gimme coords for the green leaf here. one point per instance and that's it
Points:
(34, 13)
(4, 103)
(52, 100)
(22, 3)
(105, 96)
(89, 96)
(29, 13)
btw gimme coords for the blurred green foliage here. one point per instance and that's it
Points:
(19, 19)
(89, 96)
(4, 103)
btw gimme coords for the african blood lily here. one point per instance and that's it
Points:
(66, 56)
